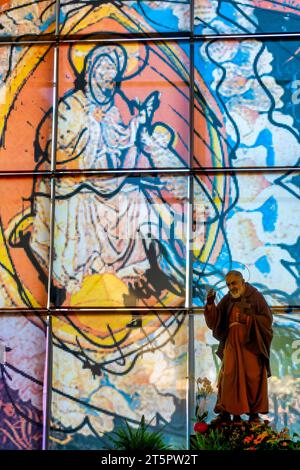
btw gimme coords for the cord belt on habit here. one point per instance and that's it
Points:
(236, 323)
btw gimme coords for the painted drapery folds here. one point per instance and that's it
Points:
(131, 246)
(127, 104)
(97, 181)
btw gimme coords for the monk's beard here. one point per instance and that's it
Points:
(236, 295)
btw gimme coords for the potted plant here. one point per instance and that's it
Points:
(127, 437)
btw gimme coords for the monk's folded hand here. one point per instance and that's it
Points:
(247, 313)
(246, 308)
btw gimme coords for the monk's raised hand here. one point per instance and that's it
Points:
(211, 295)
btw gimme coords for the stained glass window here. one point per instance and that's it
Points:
(249, 222)
(120, 242)
(120, 17)
(22, 369)
(21, 18)
(139, 115)
(246, 104)
(110, 367)
(213, 17)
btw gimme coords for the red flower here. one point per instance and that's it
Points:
(201, 427)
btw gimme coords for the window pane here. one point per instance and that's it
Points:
(246, 16)
(119, 241)
(23, 17)
(248, 222)
(283, 385)
(124, 16)
(26, 90)
(24, 218)
(106, 369)
(21, 381)
(123, 106)
(247, 104)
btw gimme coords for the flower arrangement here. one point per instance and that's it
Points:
(204, 389)
(246, 436)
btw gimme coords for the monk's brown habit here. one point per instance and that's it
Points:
(244, 329)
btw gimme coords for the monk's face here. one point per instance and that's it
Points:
(236, 285)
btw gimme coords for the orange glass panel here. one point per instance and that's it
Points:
(24, 255)
(123, 106)
(25, 17)
(26, 93)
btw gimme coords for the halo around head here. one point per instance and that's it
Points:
(240, 268)
(130, 60)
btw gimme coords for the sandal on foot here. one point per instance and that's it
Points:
(254, 418)
(237, 419)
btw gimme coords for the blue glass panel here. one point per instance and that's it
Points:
(247, 104)
(248, 222)
(120, 17)
(246, 16)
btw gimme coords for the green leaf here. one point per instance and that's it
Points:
(203, 416)
(131, 438)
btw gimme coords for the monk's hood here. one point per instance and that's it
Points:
(249, 291)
